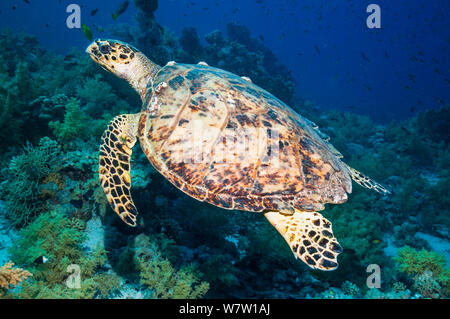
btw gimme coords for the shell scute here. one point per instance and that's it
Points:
(254, 152)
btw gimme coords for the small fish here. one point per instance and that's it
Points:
(364, 56)
(26, 1)
(14, 7)
(120, 9)
(100, 29)
(41, 260)
(94, 12)
(408, 87)
(412, 109)
(376, 241)
(317, 49)
(412, 78)
(87, 32)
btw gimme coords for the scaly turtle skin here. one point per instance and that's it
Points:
(223, 140)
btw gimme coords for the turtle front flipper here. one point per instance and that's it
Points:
(114, 171)
(309, 236)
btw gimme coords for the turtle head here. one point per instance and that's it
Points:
(123, 60)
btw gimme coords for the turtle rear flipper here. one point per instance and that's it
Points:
(309, 236)
(114, 171)
(367, 182)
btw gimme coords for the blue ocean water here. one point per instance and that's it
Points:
(379, 97)
(388, 73)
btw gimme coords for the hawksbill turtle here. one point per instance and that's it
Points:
(223, 140)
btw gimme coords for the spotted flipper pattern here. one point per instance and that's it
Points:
(367, 182)
(114, 171)
(309, 236)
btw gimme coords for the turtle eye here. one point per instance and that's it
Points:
(105, 49)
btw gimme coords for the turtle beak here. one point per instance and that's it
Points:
(93, 49)
(96, 55)
(89, 48)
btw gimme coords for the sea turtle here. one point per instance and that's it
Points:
(223, 140)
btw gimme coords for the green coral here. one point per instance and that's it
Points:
(22, 177)
(98, 97)
(50, 235)
(74, 126)
(163, 280)
(350, 289)
(239, 254)
(428, 269)
(378, 294)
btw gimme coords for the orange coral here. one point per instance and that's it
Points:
(11, 277)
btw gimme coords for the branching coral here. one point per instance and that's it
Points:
(163, 280)
(428, 286)
(52, 236)
(98, 97)
(167, 283)
(54, 192)
(428, 269)
(22, 177)
(74, 126)
(11, 276)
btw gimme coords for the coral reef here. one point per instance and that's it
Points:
(163, 281)
(11, 277)
(247, 56)
(53, 110)
(53, 236)
(428, 270)
(74, 125)
(25, 172)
